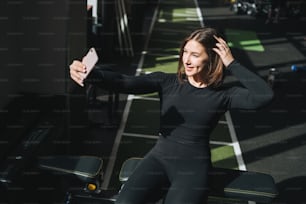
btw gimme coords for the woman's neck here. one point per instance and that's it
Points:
(196, 82)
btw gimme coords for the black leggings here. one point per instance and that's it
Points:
(179, 168)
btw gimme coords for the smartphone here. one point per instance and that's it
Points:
(90, 60)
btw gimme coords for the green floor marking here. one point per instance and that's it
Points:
(166, 35)
(245, 40)
(223, 156)
(170, 14)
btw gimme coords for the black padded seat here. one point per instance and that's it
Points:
(87, 169)
(127, 168)
(84, 166)
(243, 185)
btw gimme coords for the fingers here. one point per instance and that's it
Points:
(76, 72)
(78, 66)
(77, 78)
(223, 51)
(222, 45)
(219, 39)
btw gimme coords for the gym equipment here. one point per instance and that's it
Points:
(22, 156)
(16, 164)
(295, 68)
(271, 76)
(227, 183)
(86, 170)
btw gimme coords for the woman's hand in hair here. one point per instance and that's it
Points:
(223, 51)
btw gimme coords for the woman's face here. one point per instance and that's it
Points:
(194, 59)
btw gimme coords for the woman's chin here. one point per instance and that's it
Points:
(189, 74)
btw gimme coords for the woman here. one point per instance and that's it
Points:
(191, 104)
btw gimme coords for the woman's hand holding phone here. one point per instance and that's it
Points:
(79, 70)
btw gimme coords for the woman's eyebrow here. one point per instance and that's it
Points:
(195, 52)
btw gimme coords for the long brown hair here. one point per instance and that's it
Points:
(213, 69)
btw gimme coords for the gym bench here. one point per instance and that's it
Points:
(86, 169)
(225, 183)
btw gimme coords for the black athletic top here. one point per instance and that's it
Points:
(189, 113)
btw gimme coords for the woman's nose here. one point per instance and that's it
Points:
(187, 60)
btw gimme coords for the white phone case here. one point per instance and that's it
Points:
(90, 60)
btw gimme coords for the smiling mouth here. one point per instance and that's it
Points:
(189, 68)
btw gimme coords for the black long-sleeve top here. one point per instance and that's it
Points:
(189, 113)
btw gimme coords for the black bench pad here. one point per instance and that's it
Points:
(244, 185)
(83, 166)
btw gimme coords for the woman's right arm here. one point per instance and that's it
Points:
(115, 81)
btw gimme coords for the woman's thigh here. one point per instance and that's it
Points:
(187, 192)
(148, 178)
(189, 182)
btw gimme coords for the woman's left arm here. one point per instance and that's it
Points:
(255, 93)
